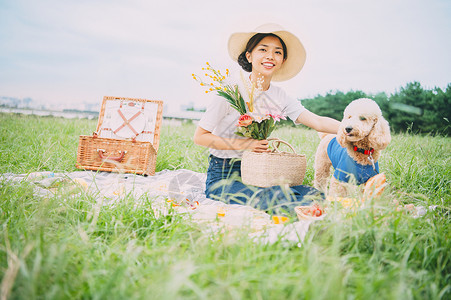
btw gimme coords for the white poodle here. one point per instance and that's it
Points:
(354, 151)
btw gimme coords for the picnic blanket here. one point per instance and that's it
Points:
(183, 190)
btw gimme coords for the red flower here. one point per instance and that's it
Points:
(244, 120)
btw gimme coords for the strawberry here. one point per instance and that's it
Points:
(315, 211)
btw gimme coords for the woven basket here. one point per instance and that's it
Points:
(107, 151)
(111, 155)
(273, 168)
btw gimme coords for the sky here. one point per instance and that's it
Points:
(68, 53)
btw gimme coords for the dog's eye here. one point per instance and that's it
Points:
(362, 118)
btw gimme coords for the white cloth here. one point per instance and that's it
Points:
(221, 119)
(164, 188)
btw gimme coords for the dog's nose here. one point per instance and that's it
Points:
(348, 129)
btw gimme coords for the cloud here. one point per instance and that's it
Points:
(73, 51)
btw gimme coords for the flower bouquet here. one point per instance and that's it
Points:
(260, 169)
(253, 122)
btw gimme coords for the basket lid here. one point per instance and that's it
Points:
(128, 121)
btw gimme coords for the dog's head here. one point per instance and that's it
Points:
(362, 119)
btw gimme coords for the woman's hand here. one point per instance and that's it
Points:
(258, 145)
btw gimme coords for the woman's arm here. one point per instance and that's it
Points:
(207, 139)
(322, 124)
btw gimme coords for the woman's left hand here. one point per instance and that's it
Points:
(259, 146)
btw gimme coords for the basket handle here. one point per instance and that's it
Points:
(116, 158)
(275, 147)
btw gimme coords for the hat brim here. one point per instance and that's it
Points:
(296, 54)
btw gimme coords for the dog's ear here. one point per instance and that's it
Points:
(380, 136)
(341, 138)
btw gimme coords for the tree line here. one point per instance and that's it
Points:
(412, 108)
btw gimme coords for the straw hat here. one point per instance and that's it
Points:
(295, 50)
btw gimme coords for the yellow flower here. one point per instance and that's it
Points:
(250, 104)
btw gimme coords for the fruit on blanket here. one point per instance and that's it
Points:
(221, 212)
(315, 211)
(375, 185)
(308, 212)
(279, 219)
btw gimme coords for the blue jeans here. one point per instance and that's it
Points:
(224, 184)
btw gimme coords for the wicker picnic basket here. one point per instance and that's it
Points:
(273, 168)
(126, 139)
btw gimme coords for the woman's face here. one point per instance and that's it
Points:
(267, 56)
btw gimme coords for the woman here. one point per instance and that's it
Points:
(269, 53)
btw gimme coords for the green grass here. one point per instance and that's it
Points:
(62, 247)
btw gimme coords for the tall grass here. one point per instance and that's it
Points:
(64, 247)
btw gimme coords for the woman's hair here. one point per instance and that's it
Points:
(251, 44)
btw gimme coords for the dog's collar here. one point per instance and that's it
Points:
(367, 152)
(370, 155)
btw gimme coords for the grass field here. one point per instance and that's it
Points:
(51, 248)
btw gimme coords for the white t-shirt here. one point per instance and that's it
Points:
(221, 119)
